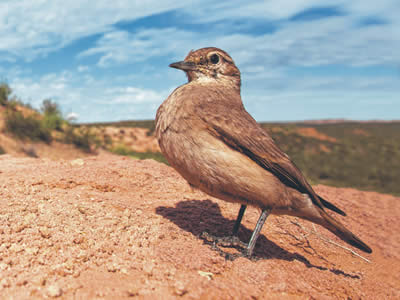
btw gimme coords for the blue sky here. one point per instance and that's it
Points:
(108, 60)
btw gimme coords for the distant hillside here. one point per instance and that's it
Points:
(344, 153)
(354, 154)
(25, 131)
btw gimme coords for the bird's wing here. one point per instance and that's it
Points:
(242, 133)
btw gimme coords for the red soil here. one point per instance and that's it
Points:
(112, 227)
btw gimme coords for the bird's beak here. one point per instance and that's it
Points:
(183, 65)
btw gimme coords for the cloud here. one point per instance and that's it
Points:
(134, 95)
(237, 9)
(48, 26)
(118, 47)
(286, 9)
(82, 68)
(326, 41)
(269, 59)
(93, 100)
(33, 28)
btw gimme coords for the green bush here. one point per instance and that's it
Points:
(82, 139)
(52, 117)
(5, 92)
(122, 150)
(53, 122)
(26, 127)
(49, 107)
(364, 156)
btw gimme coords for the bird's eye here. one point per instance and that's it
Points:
(214, 59)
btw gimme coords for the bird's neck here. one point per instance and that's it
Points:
(228, 82)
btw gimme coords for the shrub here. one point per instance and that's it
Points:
(82, 139)
(123, 150)
(52, 119)
(26, 127)
(49, 107)
(5, 92)
(53, 122)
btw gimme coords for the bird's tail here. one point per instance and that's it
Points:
(342, 232)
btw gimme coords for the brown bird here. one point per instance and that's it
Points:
(207, 135)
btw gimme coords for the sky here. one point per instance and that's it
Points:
(299, 59)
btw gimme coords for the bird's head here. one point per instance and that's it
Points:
(210, 64)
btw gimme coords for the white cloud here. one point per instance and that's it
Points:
(285, 9)
(321, 42)
(307, 96)
(134, 95)
(119, 47)
(32, 28)
(237, 9)
(95, 100)
(83, 68)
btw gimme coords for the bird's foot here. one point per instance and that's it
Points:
(226, 241)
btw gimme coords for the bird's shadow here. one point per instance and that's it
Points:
(198, 216)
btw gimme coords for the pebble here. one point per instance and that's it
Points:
(54, 291)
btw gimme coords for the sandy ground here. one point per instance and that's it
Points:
(110, 227)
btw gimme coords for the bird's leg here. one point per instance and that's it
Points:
(238, 220)
(232, 240)
(256, 232)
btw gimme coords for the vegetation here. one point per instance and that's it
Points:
(23, 127)
(353, 154)
(122, 150)
(148, 124)
(52, 117)
(81, 138)
(40, 125)
(360, 155)
(5, 92)
(348, 154)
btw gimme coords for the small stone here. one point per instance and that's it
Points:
(39, 280)
(20, 227)
(22, 282)
(5, 283)
(82, 210)
(32, 251)
(45, 232)
(132, 292)
(180, 289)
(3, 266)
(148, 268)
(16, 248)
(208, 275)
(113, 267)
(54, 291)
(77, 162)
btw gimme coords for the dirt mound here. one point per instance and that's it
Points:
(27, 148)
(112, 227)
(54, 151)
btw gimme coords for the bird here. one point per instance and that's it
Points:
(209, 138)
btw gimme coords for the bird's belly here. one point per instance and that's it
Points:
(210, 165)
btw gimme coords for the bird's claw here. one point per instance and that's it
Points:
(226, 241)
